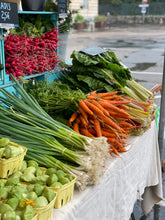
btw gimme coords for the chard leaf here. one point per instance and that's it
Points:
(84, 59)
(93, 83)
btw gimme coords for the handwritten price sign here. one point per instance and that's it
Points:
(62, 8)
(8, 14)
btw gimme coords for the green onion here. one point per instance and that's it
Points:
(23, 120)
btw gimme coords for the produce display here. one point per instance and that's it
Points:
(31, 48)
(105, 73)
(72, 125)
(50, 142)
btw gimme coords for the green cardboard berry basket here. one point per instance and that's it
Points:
(64, 194)
(46, 212)
(11, 165)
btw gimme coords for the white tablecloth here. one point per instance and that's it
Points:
(134, 175)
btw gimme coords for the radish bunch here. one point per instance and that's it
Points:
(27, 56)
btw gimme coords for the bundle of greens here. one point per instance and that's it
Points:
(103, 72)
(33, 24)
(48, 141)
(56, 98)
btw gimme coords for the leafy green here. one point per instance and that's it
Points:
(57, 98)
(33, 25)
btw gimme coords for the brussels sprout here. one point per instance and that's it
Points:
(50, 171)
(52, 178)
(41, 201)
(12, 151)
(30, 187)
(32, 163)
(38, 171)
(30, 170)
(64, 180)
(28, 213)
(3, 193)
(2, 152)
(12, 181)
(16, 174)
(24, 166)
(4, 142)
(2, 182)
(38, 188)
(60, 173)
(41, 179)
(28, 177)
(18, 191)
(8, 188)
(56, 185)
(18, 217)
(31, 196)
(5, 207)
(69, 176)
(48, 193)
(19, 212)
(9, 215)
(22, 203)
(13, 202)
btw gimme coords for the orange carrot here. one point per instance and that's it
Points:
(108, 133)
(84, 114)
(110, 122)
(91, 97)
(125, 124)
(82, 120)
(93, 93)
(115, 97)
(124, 107)
(72, 118)
(122, 150)
(85, 132)
(76, 127)
(110, 106)
(118, 143)
(100, 107)
(85, 107)
(106, 94)
(97, 127)
(114, 150)
(93, 108)
(92, 131)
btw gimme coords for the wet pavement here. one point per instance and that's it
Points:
(141, 48)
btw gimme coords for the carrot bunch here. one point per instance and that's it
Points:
(103, 114)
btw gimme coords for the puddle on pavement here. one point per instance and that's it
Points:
(142, 66)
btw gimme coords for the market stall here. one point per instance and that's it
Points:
(134, 175)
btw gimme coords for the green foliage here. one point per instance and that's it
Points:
(33, 25)
(79, 18)
(100, 18)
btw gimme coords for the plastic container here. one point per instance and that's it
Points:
(11, 165)
(33, 5)
(45, 213)
(64, 194)
(14, 1)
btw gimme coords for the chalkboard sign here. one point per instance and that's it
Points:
(62, 8)
(8, 14)
(93, 50)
